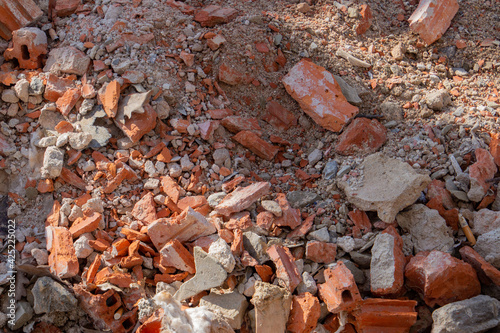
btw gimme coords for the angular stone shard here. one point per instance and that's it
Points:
(432, 18)
(387, 265)
(50, 296)
(488, 246)
(389, 185)
(68, 60)
(440, 278)
(319, 95)
(209, 274)
(272, 307)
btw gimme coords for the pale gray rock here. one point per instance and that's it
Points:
(53, 161)
(50, 296)
(488, 246)
(485, 221)
(437, 100)
(229, 306)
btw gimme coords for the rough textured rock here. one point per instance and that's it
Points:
(50, 296)
(438, 99)
(440, 278)
(230, 306)
(474, 315)
(427, 229)
(485, 221)
(432, 18)
(68, 60)
(362, 136)
(272, 307)
(53, 161)
(486, 273)
(488, 246)
(389, 186)
(319, 95)
(209, 274)
(387, 265)
(221, 251)
(479, 173)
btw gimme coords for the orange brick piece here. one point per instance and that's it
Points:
(319, 95)
(304, 314)
(29, 46)
(486, 272)
(242, 198)
(432, 18)
(174, 254)
(495, 147)
(85, 224)
(321, 252)
(384, 316)
(286, 269)
(145, 210)
(362, 136)
(441, 278)
(256, 145)
(15, 14)
(62, 258)
(339, 292)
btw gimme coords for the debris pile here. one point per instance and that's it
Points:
(267, 166)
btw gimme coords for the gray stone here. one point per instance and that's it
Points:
(438, 99)
(24, 312)
(321, 235)
(9, 96)
(222, 157)
(36, 86)
(41, 256)
(272, 206)
(215, 198)
(67, 60)
(100, 134)
(363, 260)
(314, 157)
(50, 296)
(62, 140)
(474, 315)
(175, 170)
(330, 170)
(132, 103)
(82, 245)
(209, 274)
(389, 185)
(488, 246)
(230, 306)
(383, 263)
(485, 221)
(47, 141)
(358, 274)
(428, 230)
(221, 251)
(460, 195)
(79, 141)
(496, 204)
(301, 199)
(391, 111)
(22, 89)
(53, 161)
(49, 119)
(272, 307)
(255, 245)
(308, 284)
(346, 243)
(3, 319)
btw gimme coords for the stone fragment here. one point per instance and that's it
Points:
(80, 141)
(23, 314)
(272, 307)
(384, 315)
(485, 221)
(209, 274)
(348, 91)
(82, 246)
(13, 18)
(53, 161)
(438, 99)
(256, 246)
(62, 259)
(174, 254)
(212, 15)
(68, 60)
(481, 171)
(339, 292)
(387, 265)
(440, 278)
(474, 315)
(9, 96)
(286, 269)
(488, 246)
(321, 252)
(50, 296)
(22, 89)
(242, 198)
(427, 229)
(398, 51)
(229, 306)
(301, 199)
(362, 136)
(319, 95)
(389, 186)
(186, 227)
(304, 314)
(486, 273)
(256, 145)
(221, 251)
(432, 18)
(303, 7)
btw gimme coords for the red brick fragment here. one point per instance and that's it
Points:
(29, 46)
(339, 292)
(145, 210)
(279, 117)
(235, 124)
(15, 14)
(242, 198)
(256, 145)
(486, 272)
(366, 20)
(62, 258)
(432, 18)
(212, 15)
(85, 224)
(174, 254)
(362, 136)
(286, 269)
(321, 252)
(304, 314)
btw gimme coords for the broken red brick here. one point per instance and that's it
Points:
(286, 269)
(212, 15)
(384, 315)
(230, 75)
(495, 148)
(235, 124)
(304, 314)
(29, 47)
(15, 14)
(256, 145)
(188, 58)
(321, 252)
(139, 124)
(366, 19)
(361, 220)
(56, 87)
(432, 18)
(279, 117)
(440, 278)
(72, 178)
(174, 254)
(110, 98)
(319, 95)
(171, 188)
(265, 272)
(290, 217)
(145, 210)
(242, 198)
(62, 258)
(265, 220)
(486, 272)
(85, 224)
(481, 171)
(339, 292)
(68, 100)
(66, 7)
(45, 186)
(362, 136)
(437, 189)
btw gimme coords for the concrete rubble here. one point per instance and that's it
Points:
(250, 166)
